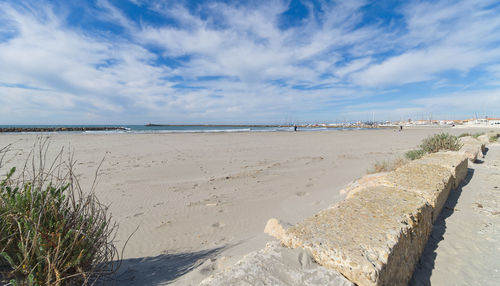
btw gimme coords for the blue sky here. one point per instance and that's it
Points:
(139, 61)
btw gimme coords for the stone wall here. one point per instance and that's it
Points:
(374, 237)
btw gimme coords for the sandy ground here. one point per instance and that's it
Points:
(201, 201)
(464, 247)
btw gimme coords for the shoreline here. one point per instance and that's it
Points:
(201, 129)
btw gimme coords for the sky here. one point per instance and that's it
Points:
(258, 62)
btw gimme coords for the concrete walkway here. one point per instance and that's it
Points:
(464, 247)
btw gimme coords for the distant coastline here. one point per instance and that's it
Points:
(175, 128)
(215, 125)
(58, 129)
(266, 125)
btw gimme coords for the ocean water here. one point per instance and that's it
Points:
(181, 128)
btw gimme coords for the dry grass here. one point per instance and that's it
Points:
(387, 166)
(414, 154)
(51, 231)
(475, 135)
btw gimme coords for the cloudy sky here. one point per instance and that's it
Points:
(140, 61)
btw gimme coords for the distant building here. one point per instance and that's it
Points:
(482, 121)
(420, 122)
(493, 121)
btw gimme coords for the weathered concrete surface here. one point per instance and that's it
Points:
(370, 180)
(276, 228)
(431, 182)
(485, 139)
(472, 148)
(373, 238)
(455, 162)
(277, 265)
(431, 177)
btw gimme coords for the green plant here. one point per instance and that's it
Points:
(51, 232)
(475, 135)
(414, 154)
(493, 139)
(438, 142)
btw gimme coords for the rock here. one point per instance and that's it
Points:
(432, 177)
(472, 148)
(472, 152)
(276, 228)
(455, 162)
(469, 140)
(431, 182)
(59, 129)
(369, 180)
(373, 238)
(276, 265)
(485, 139)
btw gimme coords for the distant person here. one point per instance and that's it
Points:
(295, 128)
(400, 128)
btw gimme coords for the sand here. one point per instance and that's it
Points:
(464, 247)
(201, 201)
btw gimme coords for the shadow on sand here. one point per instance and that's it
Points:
(161, 269)
(423, 270)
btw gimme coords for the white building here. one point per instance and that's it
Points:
(483, 121)
(493, 121)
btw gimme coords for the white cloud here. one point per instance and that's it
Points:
(421, 65)
(327, 63)
(442, 36)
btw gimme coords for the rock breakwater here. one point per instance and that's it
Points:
(57, 129)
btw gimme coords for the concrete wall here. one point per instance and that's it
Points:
(375, 236)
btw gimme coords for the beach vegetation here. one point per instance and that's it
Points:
(494, 138)
(414, 154)
(439, 142)
(475, 135)
(51, 231)
(387, 165)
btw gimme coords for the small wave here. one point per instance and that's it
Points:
(313, 129)
(185, 131)
(209, 131)
(102, 132)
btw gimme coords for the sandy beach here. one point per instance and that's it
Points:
(201, 201)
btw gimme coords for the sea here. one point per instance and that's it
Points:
(180, 128)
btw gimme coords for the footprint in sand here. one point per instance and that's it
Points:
(301, 194)
(219, 225)
(138, 214)
(164, 224)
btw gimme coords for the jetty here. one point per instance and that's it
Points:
(57, 129)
